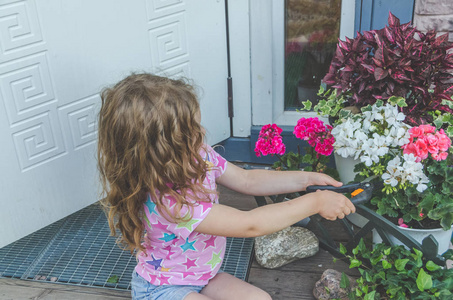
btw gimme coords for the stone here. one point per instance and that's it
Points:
(433, 7)
(438, 23)
(285, 246)
(328, 287)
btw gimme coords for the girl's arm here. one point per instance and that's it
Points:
(268, 182)
(227, 221)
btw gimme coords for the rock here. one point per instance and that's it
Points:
(282, 247)
(434, 7)
(328, 287)
(441, 24)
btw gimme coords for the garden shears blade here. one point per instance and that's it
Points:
(360, 192)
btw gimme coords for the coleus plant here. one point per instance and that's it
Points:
(398, 60)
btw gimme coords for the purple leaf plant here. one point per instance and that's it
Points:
(398, 60)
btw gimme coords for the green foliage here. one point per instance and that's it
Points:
(330, 104)
(394, 272)
(417, 209)
(310, 162)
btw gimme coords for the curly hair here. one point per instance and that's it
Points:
(149, 142)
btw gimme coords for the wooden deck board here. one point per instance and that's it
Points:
(293, 281)
(15, 289)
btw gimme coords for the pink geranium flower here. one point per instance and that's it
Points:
(270, 141)
(424, 140)
(316, 133)
(443, 141)
(401, 223)
(427, 128)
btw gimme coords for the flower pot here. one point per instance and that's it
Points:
(345, 168)
(443, 237)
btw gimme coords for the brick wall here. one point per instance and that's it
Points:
(434, 14)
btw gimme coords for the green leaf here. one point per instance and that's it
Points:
(361, 246)
(380, 275)
(370, 296)
(113, 279)
(400, 264)
(343, 249)
(321, 90)
(424, 281)
(386, 264)
(307, 105)
(394, 291)
(399, 101)
(307, 158)
(438, 123)
(367, 108)
(450, 131)
(375, 260)
(431, 266)
(344, 282)
(355, 263)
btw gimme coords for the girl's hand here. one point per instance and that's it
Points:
(315, 178)
(332, 205)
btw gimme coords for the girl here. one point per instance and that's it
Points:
(160, 179)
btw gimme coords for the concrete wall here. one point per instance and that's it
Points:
(434, 14)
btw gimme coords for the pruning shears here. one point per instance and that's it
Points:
(360, 192)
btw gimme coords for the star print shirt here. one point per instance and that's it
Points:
(175, 253)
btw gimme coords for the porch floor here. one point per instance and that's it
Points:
(293, 281)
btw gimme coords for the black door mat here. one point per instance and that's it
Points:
(79, 250)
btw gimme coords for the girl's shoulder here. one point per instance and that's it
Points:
(214, 160)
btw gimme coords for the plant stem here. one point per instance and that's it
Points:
(298, 152)
(315, 164)
(278, 156)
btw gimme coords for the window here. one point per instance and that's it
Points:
(267, 49)
(312, 28)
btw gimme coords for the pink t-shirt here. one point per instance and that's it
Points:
(176, 254)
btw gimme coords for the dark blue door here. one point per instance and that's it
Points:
(373, 14)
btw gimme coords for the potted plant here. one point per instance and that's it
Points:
(397, 273)
(383, 88)
(398, 60)
(410, 165)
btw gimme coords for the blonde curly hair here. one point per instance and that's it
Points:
(149, 136)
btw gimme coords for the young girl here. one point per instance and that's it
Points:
(160, 179)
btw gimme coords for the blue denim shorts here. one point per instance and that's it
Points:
(143, 290)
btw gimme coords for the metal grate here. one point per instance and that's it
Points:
(17, 257)
(79, 250)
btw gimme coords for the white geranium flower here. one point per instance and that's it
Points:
(345, 151)
(389, 179)
(393, 172)
(366, 125)
(367, 160)
(380, 147)
(392, 116)
(401, 136)
(422, 186)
